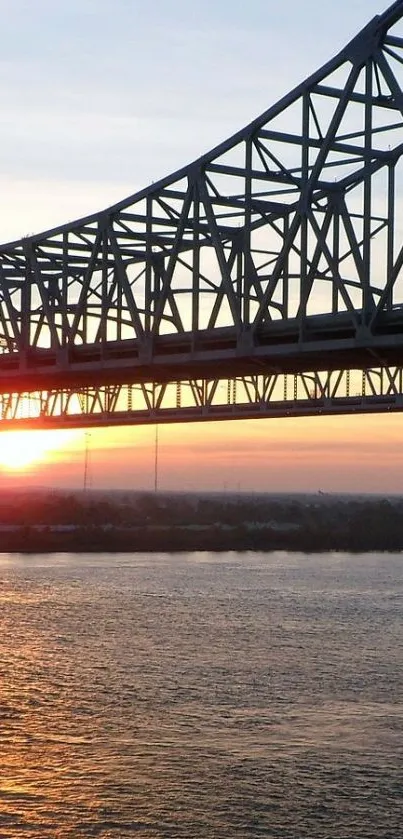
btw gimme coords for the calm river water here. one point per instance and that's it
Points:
(201, 696)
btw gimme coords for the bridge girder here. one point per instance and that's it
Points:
(256, 396)
(278, 252)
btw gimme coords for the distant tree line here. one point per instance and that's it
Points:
(47, 521)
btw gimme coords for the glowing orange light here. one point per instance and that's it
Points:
(20, 450)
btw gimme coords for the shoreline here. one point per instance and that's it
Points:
(49, 522)
(180, 539)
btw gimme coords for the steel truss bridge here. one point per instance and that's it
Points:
(264, 279)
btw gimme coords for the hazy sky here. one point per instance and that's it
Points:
(100, 98)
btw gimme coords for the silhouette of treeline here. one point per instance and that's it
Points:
(58, 521)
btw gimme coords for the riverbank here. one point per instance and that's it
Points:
(147, 522)
(179, 539)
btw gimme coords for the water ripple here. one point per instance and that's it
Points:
(201, 696)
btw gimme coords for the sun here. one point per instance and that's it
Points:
(21, 450)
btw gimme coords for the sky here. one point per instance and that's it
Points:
(99, 99)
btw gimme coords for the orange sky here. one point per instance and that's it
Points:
(351, 454)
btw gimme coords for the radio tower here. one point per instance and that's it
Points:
(87, 438)
(156, 459)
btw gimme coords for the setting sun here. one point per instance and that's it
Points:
(19, 450)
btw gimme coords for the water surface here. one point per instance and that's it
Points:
(201, 696)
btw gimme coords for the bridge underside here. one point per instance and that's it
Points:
(198, 400)
(264, 279)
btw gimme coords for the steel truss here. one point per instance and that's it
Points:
(280, 251)
(247, 397)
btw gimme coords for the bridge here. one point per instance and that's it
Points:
(263, 279)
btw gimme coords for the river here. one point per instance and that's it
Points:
(201, 696)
